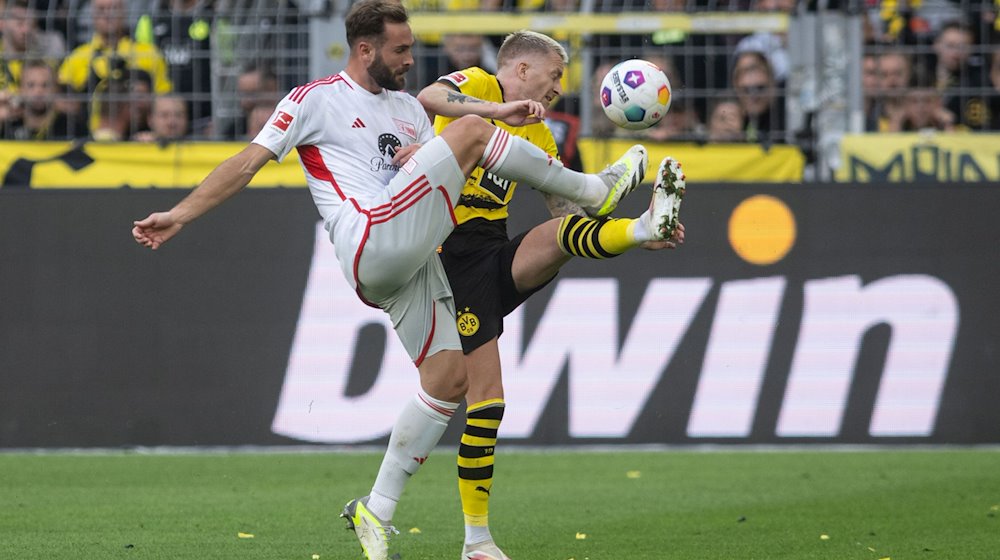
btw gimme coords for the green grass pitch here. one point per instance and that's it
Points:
(925, 504)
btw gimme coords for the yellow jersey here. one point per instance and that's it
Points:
(485, 195)
(92, 57)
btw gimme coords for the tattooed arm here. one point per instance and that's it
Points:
(441, 99)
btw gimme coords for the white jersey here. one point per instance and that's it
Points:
(385, 222)
(346, 137)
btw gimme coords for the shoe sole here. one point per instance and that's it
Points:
(487, 550)
(669, 192)
(479, 555)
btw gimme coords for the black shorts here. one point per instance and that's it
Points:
(477, 257)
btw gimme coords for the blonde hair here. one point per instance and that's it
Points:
(523, 42)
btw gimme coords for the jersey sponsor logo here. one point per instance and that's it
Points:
(497, 186)
(379, 164)
(282, 120)
(406, 128)
(468, 323)
(388, 144)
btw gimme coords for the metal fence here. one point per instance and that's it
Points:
(764, 71)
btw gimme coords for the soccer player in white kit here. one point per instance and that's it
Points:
(386, 190)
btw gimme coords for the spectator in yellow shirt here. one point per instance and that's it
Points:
(93, 67)
(21, 40)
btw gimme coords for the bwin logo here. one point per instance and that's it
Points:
(835, 314)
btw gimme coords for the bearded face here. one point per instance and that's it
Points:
(393, 56)
(386, 77)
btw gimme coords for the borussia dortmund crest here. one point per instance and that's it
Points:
(468, 323)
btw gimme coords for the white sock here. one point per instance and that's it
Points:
(475, 534)
(517, 159)
(419, 427)
(640, 229)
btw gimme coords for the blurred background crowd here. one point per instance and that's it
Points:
(169, 70)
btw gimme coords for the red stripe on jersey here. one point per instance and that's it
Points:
(501, 139)
(314, 164)
(300, 92)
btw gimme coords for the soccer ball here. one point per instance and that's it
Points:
(635, 94)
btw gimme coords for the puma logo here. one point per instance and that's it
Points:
(482, 489)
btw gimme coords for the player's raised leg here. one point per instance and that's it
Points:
(659, 224)
(475, 142)
(404, 225)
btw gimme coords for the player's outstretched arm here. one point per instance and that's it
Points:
(223, 182)
(442, 99)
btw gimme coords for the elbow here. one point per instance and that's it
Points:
(425, 100)
(249, 162)
(424, 97)
(249, 168)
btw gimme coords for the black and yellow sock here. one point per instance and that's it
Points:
(475, 460)
(595, 239)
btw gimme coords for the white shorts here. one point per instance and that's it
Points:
(395, 265)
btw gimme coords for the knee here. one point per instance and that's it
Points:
(467, 137)
(475, 125)
(469, 130)
(444, 376)
(452, 388)
(459, 387)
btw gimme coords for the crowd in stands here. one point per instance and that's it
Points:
(114, 70)
(100, 70)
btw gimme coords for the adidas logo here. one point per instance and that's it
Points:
(358, 123)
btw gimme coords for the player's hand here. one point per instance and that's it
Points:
(520, 113)
(676, 239)
(678, 236)
(402, 155)
(155, 230)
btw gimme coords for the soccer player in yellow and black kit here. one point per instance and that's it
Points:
(490, 274)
